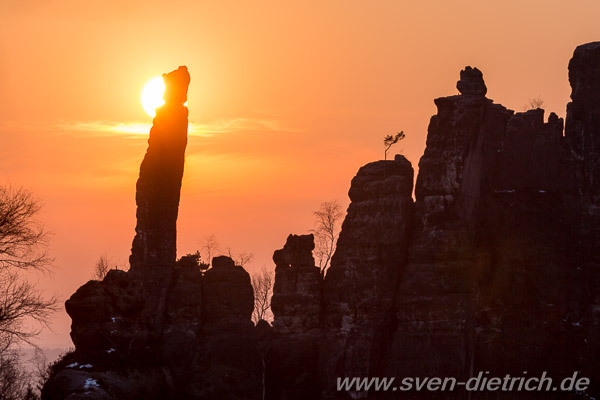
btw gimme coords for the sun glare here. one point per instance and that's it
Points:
(152, 95)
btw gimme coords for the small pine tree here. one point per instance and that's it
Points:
(391, 140)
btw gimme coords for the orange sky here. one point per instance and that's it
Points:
(287, 100)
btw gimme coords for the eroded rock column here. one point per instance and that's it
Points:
(159, 184)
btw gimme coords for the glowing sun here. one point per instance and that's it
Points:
(152, 95)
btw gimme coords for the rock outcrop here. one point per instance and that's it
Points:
(296, 304)
(159, 185)
(359, 288)
(471, 82)
(162, 330)
(492, 268)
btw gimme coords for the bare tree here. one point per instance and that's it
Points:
(23, 240)
(20, 300)
(262, 283)
(23, 247)
(328, 219)
(534, 103)
(242, 258)
(210, 246)
(391, 140)
(13, 377)
(42, 371)
(102, 267)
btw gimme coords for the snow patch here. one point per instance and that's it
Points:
(89, 382)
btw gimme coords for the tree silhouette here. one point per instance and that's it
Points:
(193, 260)
(328, 219)
(390, 140)
(241, 258)
(23, 247)
(262, 284)
(210, 246)
(534, 103)
(101, 268)
(13, 376)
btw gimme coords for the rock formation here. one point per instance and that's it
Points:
(359, 287)
(162, 330)
(471, 82)
(492, 267)
(159, 184)
(296, 305)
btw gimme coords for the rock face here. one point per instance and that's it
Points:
(492, 268)
(296, 304)
(297, 291)
(360, 285)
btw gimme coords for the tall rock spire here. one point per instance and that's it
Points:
(159, 184)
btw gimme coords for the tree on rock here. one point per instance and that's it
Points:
(391, 140)
(101, 268)
(262, 284)
(328, 219)
(193, 260)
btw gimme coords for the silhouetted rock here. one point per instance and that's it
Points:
(492, 270)
(360, 285)
(493, 267)
(292, 371)
(582, 133)
(159, 185)
(105, 314)
(471, 82)
(297, 291)
(227, 292)
(162, 330)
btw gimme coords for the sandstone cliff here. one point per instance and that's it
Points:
(492, 266)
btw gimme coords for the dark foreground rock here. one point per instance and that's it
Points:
(492, 268)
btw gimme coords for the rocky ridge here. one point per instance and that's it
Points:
(491, 267)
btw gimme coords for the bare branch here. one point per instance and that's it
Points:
(23, 246)
(13, 376)
(328, 219)
(262, 284)
(23, 240)
(102, 267)
(534, 103)
(209, 246)
(20, 300)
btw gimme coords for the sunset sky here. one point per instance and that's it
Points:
(286, 101)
